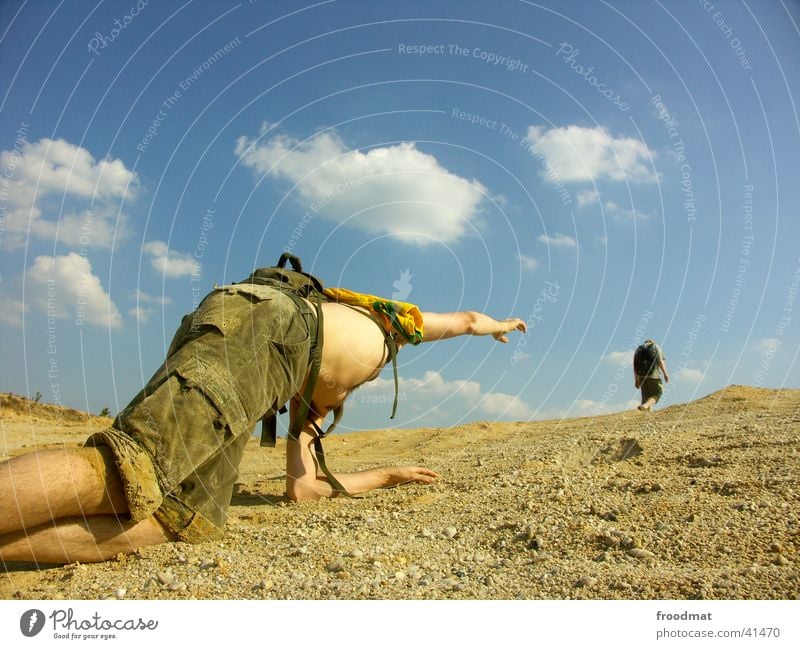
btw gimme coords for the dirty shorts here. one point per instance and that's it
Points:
(652, 388)
(244, 352)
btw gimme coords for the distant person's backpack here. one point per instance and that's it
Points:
(645, 358)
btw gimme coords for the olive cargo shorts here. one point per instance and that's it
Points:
(244, 352)
(652, 387)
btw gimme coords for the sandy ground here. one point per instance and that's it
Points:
(694, 501)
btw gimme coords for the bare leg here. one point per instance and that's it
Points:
(80, 539)
(45, 486)
(648, 405)
(60, 506)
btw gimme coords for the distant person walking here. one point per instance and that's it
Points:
(648, 365)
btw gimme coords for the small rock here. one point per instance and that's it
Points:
(620, 585)
(450, 532)
(780, 560)
(488, 581)
(120, 592)
(355, 553)
(336, 566)
(776, 547)
(266, 584)
(165, 578)
(399, 575)
(343, 574)
(542, 556)
(587, 581)
(640, 553)
(207, 564)
(609, 541)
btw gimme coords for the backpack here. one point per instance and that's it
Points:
(293, 282)
(300, 285)
(645, 359)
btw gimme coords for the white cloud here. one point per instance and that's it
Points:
(50, 186)
(558, 240)
(690, 375)
(433, 388)
(397, 189)
(528, 263)
(141, 296)
(142, 313)
(64, 288)
(170, 263)
(587, 197)
(617, 358)
(767, 345)
(505, 405)
(588, 407)
(580, 154)
(627, 216)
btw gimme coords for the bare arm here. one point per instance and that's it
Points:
(304, 482)
(662, 365)
(438, 326)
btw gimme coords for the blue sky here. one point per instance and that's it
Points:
(606, 171)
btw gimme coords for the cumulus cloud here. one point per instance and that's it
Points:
(397, 190)
(433, 387)
(587, 197)
(690, 375)
(766, 345)
(626, 216)
(50, 186)
(170, 263)
(581, 154)
(141, 296)
(142, 313)
(617, 358)
(558, 240)
(528, 263)
(588, 407)
(63, 287)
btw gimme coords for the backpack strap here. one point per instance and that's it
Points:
(319, 452)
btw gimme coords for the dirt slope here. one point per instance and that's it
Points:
(695, 501)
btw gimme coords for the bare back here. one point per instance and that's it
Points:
(353, 352)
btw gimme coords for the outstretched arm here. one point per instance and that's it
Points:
(304, 481)
(439, 326)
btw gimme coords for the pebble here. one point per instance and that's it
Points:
(207, 564)
(450, 532)
(587, 581)
(165, 578)
(640, 553)
(336, 566)
(121, 592)
(176, 586)
(542, 556)
(781, 560)
(776, 547)
(343, 574)
(355, 554)
(489, 580)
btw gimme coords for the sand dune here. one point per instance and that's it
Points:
(694, 501)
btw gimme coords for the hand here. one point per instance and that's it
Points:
(509, 324)
(666, 377)
(406, 474)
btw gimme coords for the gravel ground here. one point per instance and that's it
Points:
(696, 501)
